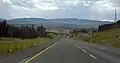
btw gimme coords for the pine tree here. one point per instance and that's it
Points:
(42, 31)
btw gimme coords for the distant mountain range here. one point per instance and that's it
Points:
(61, 23)
(1, 19)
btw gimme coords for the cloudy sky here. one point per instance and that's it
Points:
(84, 9)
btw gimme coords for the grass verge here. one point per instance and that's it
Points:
(8, 45)
(109, 37)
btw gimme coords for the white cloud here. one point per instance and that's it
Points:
(115, 3)
(91, 9)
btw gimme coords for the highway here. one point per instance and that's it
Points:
(70, 51)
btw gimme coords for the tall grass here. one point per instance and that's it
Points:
(110, 37)
(17, 44)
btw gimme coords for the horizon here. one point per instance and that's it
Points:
(57, 18)
(54, 9)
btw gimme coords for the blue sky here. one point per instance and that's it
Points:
(83, 9)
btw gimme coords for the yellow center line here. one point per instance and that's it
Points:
(40, 53)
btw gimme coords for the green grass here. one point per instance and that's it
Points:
(81, 36)
(53, 30)
(8, 45)
(111, 37)
(52, 35)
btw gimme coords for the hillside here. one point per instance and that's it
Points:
(1, 19)
(59, 23)
(110, 37)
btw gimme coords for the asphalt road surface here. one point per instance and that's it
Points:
(70, 51)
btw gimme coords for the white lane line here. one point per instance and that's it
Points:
(83, 50)
(32, 58)
(86, 51)
(92, 56)
(78, 47)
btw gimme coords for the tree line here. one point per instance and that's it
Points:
(109, 26)
(7, 30)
